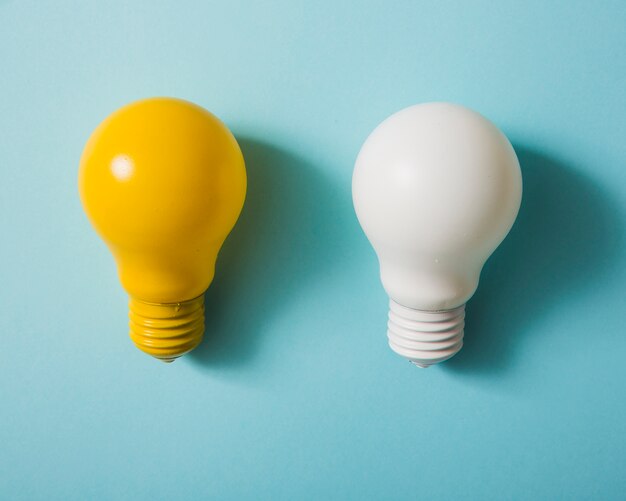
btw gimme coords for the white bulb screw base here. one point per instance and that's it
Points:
(425, 337)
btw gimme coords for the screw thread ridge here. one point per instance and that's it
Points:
(425, 337)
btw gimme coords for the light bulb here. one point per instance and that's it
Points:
(436, 188)
(163, 182)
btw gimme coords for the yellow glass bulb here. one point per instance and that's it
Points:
(163, 182)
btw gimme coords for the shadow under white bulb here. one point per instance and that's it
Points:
(436, 188)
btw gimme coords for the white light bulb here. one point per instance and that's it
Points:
(436, 188)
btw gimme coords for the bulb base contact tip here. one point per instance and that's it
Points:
(425, 337)
(166, 330)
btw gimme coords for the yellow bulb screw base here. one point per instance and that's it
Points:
(166, 330)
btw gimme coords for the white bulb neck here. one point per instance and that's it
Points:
(425, 337)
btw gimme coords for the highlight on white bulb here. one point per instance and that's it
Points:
(436, 188)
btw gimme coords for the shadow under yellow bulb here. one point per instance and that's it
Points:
(163, 182)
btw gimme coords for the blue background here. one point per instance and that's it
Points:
(294, 394)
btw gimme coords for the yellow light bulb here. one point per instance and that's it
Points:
(163, 182)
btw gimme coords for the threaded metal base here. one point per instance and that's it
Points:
(169, 330)
(425, 337)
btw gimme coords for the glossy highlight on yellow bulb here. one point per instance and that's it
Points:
(163, 182)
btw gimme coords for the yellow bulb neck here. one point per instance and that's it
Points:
(167, 330)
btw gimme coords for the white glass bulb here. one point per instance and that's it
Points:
(436, 188)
